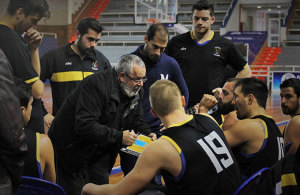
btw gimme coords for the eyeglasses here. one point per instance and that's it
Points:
(138, 80)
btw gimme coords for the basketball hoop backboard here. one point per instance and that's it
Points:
(155, 11)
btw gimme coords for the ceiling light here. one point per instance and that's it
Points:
(269, 9)
(258, 7)
(278, 6)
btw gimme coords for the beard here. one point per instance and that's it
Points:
(129, 91)
(151, 57)
(225, 108)
(83, 49)
(289, 111)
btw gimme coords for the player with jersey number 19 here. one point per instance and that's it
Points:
(191, 148)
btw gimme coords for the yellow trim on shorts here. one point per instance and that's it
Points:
(183, 122)
(38, 158)
(172, 142)
(69, 76)
(288, 180)
(32, 80)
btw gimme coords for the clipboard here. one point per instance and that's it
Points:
(136, 149)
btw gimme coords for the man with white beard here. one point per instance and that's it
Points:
(102, 114)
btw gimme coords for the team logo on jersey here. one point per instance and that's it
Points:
(68, 64)
(183, 49)
(217, 51)
(95, 65)
(162, 77)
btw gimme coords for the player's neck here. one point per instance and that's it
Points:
(7, 20)
(176, 117)
(257, 110)
(201, 38)
(296, 113)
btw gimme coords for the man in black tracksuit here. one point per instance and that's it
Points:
(94, 122)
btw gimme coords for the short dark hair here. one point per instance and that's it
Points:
(203, 5)
(30, 7)
(293, 83)
(233, 80)
(87, 23)
(256, 87)
(153, 28)
(24, 93)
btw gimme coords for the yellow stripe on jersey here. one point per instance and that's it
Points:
(38, 147)
(205, 114)
(222, 116)
(183, 122)
(269, 116)
(172, 142)
(32, 80)
(288, 180)
(245, 66)
(212, 35)
(210, 38)
(266, 129)
(69, 76)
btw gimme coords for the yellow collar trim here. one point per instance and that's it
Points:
(183, 122)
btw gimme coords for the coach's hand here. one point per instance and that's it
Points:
(129, 137)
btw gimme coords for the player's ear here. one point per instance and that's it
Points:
(154, 113)
(251, 99)
(182, 101)
(213, 19)
(77, 34)
(122, 77)
(146, 39)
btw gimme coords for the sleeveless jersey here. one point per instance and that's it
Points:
(270, 152)
(208, 165)
(32, 165)
(288, 125)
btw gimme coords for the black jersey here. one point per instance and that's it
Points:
(32, 166)
(282, 178)
(65, 70)
(203, 65)
(208, 165)
(270, 152)
(17, 53)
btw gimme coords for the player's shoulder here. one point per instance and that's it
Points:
(224, 40)
(294, 122)
(182, 36)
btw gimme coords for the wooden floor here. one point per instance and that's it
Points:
(273, 108)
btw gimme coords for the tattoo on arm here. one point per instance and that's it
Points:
(262, 126)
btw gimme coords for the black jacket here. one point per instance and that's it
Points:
(93, 117)
(13, 148)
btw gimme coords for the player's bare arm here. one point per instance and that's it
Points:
(159, 155)
(292, 134)
(249, 132)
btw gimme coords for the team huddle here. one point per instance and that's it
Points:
(211, 132)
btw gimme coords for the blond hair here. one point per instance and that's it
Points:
(164, 97)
